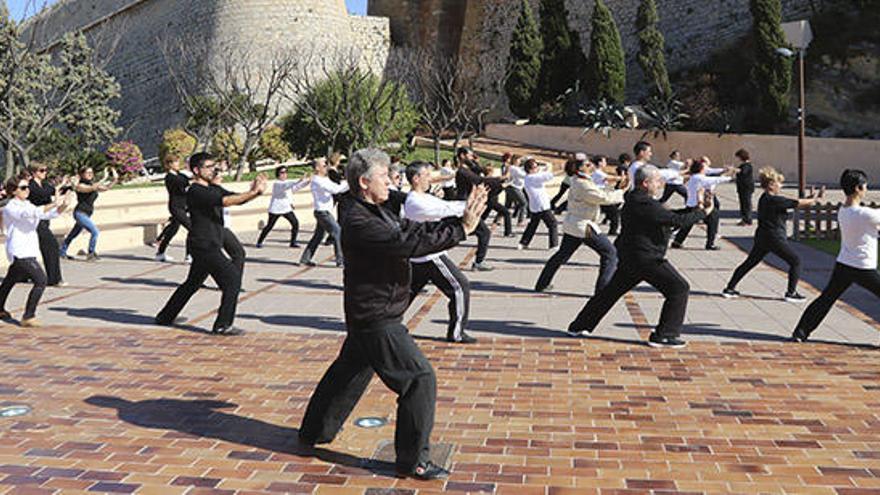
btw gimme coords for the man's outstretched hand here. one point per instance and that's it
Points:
(473, 211)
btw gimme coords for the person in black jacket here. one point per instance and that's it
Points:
(641, 248)
(176, 184)
(42, 193)
(468, 175)
(205, 241)
(745, 187)
(377, 277)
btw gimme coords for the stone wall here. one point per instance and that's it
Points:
(149, 103)
(694, 29)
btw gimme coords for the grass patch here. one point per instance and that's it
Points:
(827, 246)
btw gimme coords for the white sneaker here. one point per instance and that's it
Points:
(188, 259)
(520, 247)
(164, 258)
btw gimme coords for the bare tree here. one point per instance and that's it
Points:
(244, 85)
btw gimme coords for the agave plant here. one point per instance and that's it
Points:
(664, 115)
(604, 117)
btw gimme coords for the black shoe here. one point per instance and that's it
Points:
(729, 293)
(425, 471)
(308, 263)
(544, 289)
(794, 297)
(798, 336)
(462, 339)
(228, 331)
(713, 247)
(665, 342)
(676, 245)
(295, 245)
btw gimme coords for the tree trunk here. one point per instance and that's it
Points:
(437, 149)
(249, 144)
(10, 164)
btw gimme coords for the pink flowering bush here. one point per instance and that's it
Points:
(126, 158)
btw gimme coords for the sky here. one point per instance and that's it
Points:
(17, 7)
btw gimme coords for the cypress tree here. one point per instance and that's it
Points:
(652, 60)
(605, 77)
(524, 64)
(771, 74)
(562, 59)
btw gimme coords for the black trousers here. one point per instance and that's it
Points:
(388, 350)
(745, 204)
(660, 274)
(562, 189)
(598, 243)
(711, 222)
(549, 220)
(179, 218)
(225, 274)
(21, 270)
(500, 210)
(270, 224)
(514, 198)
(447, 277)
(450, 193)
(612, 214)
(235, 250)
(483, 235)
(841, 278)
(671, 189)
(324, 224)
(51, 252)
(765, 244)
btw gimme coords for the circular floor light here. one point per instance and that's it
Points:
(13, 411)
(370, 422)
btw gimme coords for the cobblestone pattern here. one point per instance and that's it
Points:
(134, 411)
(148, 102)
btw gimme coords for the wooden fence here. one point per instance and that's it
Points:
(819, 221)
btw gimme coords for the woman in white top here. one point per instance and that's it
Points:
(323, 190)
(280, 205)
(700, 181)
(513, 193)
(539, 205)
(20, 221)
(857, 261)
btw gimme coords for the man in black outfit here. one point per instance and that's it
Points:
(378, 247)
(641, 248)
(468, 175)
(745, 187)
(42, 193)
(176, 184)
(205, 241)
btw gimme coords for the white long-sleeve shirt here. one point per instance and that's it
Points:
(700, 181)
(538, 199)
(323, 190)
(20, 221)
(422, 207)
(672, 172)
(517, 177)
(281, 189)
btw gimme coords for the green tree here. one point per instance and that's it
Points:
(771, 73)
(272, 146)
(562, 59)
(652, 59)
(177, 142)
(524, 64)
(606, 64)
(227, 146)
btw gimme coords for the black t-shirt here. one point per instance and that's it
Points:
(176, 185)
(205, 204)
(41, 195)
(85, 202)
(773, 213)
(745, 178)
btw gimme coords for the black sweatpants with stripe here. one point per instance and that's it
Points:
(447, 277)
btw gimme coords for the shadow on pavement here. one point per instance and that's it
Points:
(304, 284)
(205, 418)
(111, 315)
(151, 282)
(712, 330)
(304, 322)
(508, 327)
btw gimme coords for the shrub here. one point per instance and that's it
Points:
(126, 158)
(176, 142)
(272, 146)
(227, 146)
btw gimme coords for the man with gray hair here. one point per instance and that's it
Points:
(641, 248)
(377, 248)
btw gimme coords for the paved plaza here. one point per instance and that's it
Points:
(122, 406)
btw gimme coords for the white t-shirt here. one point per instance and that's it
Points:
(599, 177)
(858, 236)
(323, 190)
(280, 202)
(700, 181)
(534, 184)
(634, 166)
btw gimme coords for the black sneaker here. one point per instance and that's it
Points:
(794, 297)
(798, 336)
(713, 247)
(544, 289)
(665, 342)
(729, 293)
(462, 339)
(308, 263)
(676, 245)
(228, 331)
(426, 471)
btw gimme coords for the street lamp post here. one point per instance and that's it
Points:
(798, 34)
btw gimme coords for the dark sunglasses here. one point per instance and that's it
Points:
(42, 170)
(23, 188)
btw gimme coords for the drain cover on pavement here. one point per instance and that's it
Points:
(13, 411)
(440, 453)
